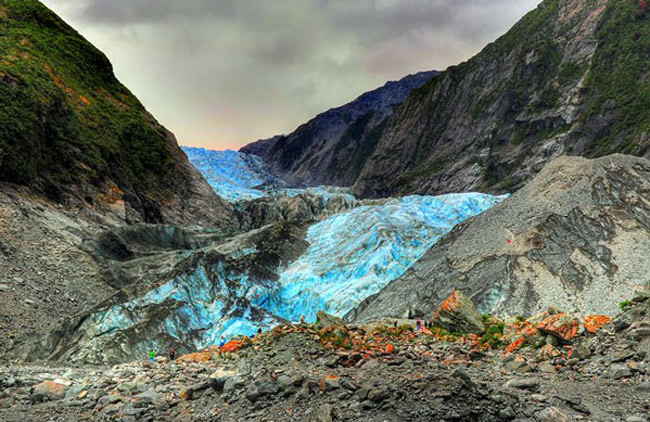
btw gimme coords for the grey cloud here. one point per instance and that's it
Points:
(223, 72)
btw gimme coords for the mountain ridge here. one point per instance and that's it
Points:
(331, 148)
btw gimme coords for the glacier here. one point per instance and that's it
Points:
(354, 254)
(349, 257)
(241, 284)
(235, 176)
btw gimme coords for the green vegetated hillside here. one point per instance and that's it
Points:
(69, 128)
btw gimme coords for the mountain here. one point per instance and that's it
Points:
(187, 288)
(331, 149)
(570, 78)
(71, 131)
(575, 237)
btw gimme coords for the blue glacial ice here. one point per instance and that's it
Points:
(235, 176)
(355, 254)
(350, 256)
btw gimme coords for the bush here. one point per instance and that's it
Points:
(623, 305)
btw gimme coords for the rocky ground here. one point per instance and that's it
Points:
(551, 367)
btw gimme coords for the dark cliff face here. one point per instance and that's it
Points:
(571, 78)
(332, 148)
(575, 237)
(71, 131)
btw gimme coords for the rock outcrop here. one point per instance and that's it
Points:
(575, 237)
(457, 314)
(332, 148)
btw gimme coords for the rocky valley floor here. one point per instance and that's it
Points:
(546, 368)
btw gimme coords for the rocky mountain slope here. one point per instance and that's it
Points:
(332, 148)
(569, 78)
(575, 237)
(71, 131)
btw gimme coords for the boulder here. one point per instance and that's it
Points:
(326, 320)
(457, 314)
(561, 326)
(48, 390)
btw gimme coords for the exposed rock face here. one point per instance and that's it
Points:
(566, 79)
(576, 237)
(198, 293)
(71, 131)
(332, 148)
(457, 314)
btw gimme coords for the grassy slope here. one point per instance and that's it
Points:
(64, 118)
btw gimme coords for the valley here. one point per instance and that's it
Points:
(460, 245)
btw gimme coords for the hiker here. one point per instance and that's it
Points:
(259, 330)
(302, 320)
(152, 355)
(418, 325)
(172, 354)
(395, 324)
(222, 342)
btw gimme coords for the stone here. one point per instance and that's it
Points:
(519, 365)
(562, 326)
(548, 352)
(523, 383)
(74, 391)
(148, 398)
(193, 391)
(378, 394)
(547, 368)
(618, 371)
(233, 383)
(6, 402)
(369, 364)
(635, 419)
(324, 413)
(109, 399)
(538, 397)
(639, 334)
(219, 378)
(623, 355)
(458, 314)
(580, 352)
(644, 387)
(261, 389)
(326, 320)
(48, 390)
(551, 414)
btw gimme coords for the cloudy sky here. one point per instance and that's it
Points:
(222, 73)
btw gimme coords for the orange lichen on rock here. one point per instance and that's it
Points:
(515, 345)
(562, 326)
(451, 303)
(593, 323)
(198, 357)
(389, 349)
(231, 346)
